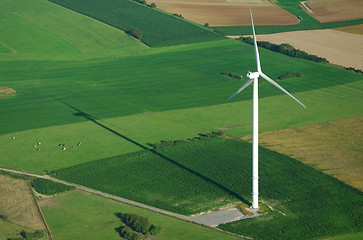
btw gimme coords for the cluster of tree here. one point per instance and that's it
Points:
(136, 33)
(178, 15)
(290, 75)
(143, 2)
(232, 75)
(136, 227)
(175, 142)
(28, 235)
(354, 70)
(286, 49)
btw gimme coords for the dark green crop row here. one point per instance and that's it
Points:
(200, 175)
(158, 28)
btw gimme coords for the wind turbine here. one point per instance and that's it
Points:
(253, 78)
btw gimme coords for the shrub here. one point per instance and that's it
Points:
(290, 75)
(154, 230)
(152, 5)
(206, 25)
(136, 33)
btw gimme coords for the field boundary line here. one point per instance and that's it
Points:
(41, 213)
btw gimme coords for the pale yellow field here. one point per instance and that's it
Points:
(334, 147)
(340, 48)
(228, 12)
(336, 10)
(357, 29)
(17, 203)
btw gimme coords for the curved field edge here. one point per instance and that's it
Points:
(158, 29)
(103, 138)
(192, 177)
(93, 217)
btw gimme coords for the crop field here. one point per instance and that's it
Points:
(96, 219)
(192, 177)
(357, 29)
(228, 13)
(292, 6)
(126, 15)
(338, 10)
(328, 43)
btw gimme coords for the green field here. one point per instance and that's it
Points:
(87, 86)
(96, 219)
(293, 6)
(158, 28)
(192, 177)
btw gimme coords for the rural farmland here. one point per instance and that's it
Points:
(115, 124)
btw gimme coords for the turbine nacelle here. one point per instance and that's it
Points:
(253, 75)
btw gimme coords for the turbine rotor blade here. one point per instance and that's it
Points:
(243, 87)
(279, 87)
(257, 55)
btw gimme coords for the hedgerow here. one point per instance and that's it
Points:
(135, 226)
(285, 49)
(290, 75)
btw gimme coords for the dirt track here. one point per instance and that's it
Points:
(340, 48)
(228, 12)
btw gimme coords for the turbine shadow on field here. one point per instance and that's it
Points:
(205, 178)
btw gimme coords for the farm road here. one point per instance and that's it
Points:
(212, 219)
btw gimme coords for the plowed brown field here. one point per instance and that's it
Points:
(228, 12)
(340, 48)
(336, 10)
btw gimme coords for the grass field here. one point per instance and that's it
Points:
(192, 177)
(158, 29)
(333, 147)
(109, 137)
(96, 219)
(111, 88)
(91, 87)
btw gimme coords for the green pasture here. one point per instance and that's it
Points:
(11, 230)
(40, 29)
(79, 215)
(192, 177)
(293, 6)
(59, 92)
(158, 28)
(102, 138)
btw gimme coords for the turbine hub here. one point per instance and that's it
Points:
(253, 75)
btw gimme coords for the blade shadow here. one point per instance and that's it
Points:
(189, 170)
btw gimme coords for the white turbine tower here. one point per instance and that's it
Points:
(253, 77)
